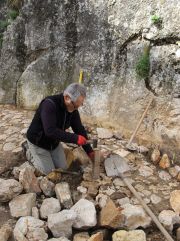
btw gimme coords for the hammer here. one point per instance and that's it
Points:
(97, 158)
(93, 142)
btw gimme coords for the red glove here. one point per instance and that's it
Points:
(91, 155)
(81, 140)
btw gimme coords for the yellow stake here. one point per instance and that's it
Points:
(81, 77)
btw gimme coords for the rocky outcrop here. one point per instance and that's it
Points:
(42, 53)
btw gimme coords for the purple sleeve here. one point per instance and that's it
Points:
(48, 117)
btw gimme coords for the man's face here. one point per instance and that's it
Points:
(73, 105)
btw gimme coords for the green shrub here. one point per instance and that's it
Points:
(156, 19)
(3, 24)
(12, 14)
(143, 65)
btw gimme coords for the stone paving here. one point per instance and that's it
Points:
(13, 126)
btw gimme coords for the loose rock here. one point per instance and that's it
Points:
(61, 223)
(168, 218)
(30, 228)
(9, 189)
(47, 187)
(135, 235)
(86, 214)
(29, 180)
(21, 205)
(49, 206)
(63, 194)
(135, 216)
(175, 201)
(111, 216)
(83, 236)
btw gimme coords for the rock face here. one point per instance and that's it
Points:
(41, 53)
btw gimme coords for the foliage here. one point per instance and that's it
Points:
(12, 14)
(3, 24)
(143, 65)
(156, 19)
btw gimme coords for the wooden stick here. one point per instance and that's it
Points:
(139, 123)
(147, 209)
(96, 164)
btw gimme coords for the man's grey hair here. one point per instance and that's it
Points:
(75, 90)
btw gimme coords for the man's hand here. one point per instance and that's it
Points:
(81, 140)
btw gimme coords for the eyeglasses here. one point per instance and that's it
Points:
(73, 104)
(76, 106)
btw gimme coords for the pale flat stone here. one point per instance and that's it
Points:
(17, 150)
(173, 171)
(63, 194)
(145, 171)
(155, 199)
(9, 146)
(21, 205)
(104, 133)
(118, 182)
(164, 175)
(86, 214)
(135, 216)
(175, 201)
(61, 223)
(121, 152)
(9, 189)
(82, 189)
(49, 206)
(123, 201)
(135, 235)
(30, 228)
(3, 137)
